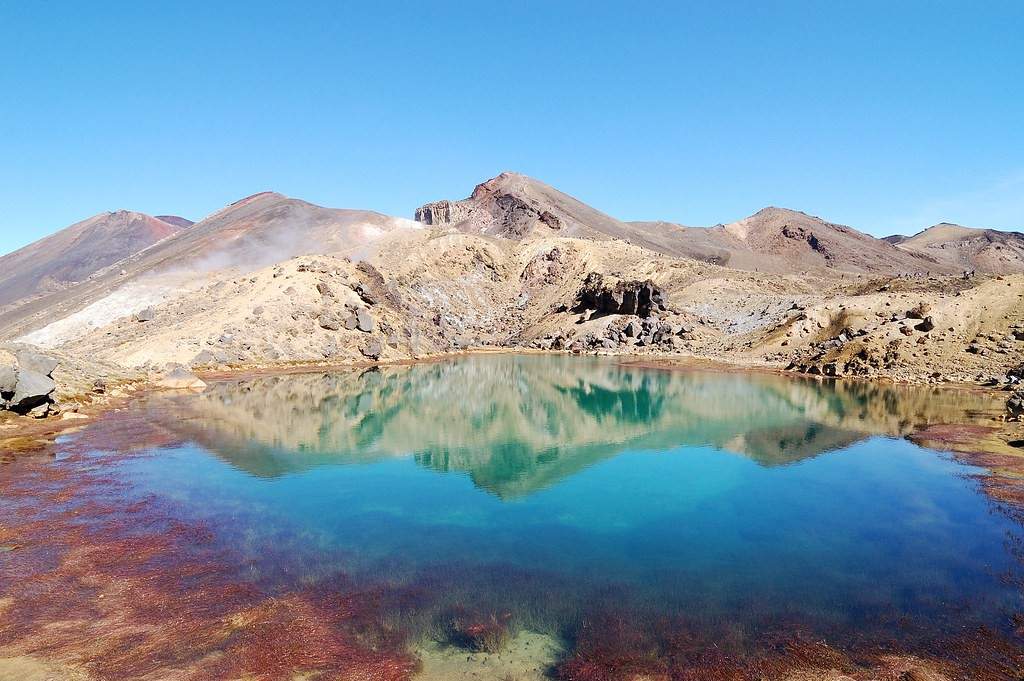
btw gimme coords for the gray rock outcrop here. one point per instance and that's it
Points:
(364, 321)
(27, 386)
(372, 350)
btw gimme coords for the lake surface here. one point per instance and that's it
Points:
(626, 515)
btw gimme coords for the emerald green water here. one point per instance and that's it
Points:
(558, 487)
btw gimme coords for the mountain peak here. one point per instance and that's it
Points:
(175, 220)
(76, 252)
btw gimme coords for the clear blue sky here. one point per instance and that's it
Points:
(888, 116)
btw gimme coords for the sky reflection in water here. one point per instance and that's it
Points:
(731, 496)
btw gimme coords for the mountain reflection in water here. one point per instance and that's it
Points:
(517, 424)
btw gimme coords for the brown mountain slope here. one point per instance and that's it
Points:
(73, 254)
(514, 206)
(176, 220)
(783, 240)
(965, 248)
(787, 241)
(250, 233)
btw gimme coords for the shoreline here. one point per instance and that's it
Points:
(21, 435)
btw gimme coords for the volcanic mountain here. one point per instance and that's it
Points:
(79, 251)
(253, 232)
(176, 220)
(514, 206)
(784, 240)
(966, 248)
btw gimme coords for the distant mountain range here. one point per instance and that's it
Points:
(774, 239)
(76, 264)
(967, 248)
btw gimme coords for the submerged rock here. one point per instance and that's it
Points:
(181, 379)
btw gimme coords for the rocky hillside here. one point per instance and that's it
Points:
(249, 234)
(77, 252)
(514, 206)
(968, 249)
(789, 240)
(270, 280)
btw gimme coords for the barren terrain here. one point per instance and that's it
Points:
(271, 281)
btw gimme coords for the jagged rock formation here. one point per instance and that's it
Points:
(494, 209)
(615, 296)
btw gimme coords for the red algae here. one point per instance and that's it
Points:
(130, 592)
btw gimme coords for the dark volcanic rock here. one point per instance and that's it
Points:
(641, 298)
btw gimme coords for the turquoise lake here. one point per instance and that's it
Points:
(738, 496)
(556, 491)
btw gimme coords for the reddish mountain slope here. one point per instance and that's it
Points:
(77, 252)
(965, 248)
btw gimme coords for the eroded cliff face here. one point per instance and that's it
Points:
(493, 210)
(610, 295)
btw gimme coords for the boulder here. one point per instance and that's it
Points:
(366, 294)
(351, 322)
(919, 311)
(145, 315)
(34, 388)
(329, 321)
(181, 379)
(364, 321)
(203, 358)
(372, 349)
(632, 329)
(36, 361)
(926, 325)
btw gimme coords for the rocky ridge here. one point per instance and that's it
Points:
(493, 271)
